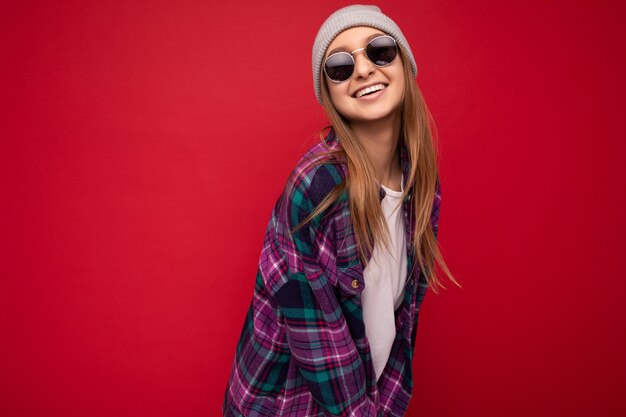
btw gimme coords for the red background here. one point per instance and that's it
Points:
(144, 144)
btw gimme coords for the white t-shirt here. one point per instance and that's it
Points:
(385, 277)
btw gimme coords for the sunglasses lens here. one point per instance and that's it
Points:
(339, 66)
(382, 51)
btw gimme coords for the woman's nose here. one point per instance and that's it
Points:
(362, 66)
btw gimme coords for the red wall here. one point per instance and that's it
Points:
(144, 144)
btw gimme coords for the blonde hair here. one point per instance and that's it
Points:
(418, 137)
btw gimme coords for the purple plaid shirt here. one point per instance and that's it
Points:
(303, 350)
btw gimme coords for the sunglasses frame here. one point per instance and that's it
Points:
(351, 54)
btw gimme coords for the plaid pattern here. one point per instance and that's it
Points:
(303, 349)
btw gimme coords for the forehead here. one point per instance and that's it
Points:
(353, 38)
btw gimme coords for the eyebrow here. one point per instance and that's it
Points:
(344, 49)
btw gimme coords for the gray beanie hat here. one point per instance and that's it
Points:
(349, 17)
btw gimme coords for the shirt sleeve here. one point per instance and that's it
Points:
(318, 334)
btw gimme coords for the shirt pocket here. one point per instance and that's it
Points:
(350, 280)
(348, 293)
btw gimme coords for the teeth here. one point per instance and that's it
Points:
(368, 90)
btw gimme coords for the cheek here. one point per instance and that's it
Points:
(339, 96)
(398, 74)
(400, 81)
(337, 91)
(402, 87)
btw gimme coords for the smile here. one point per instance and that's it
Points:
(369, 90)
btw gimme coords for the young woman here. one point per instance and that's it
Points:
(351, 245)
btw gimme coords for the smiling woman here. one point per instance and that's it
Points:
(374, 88)
(351, 247)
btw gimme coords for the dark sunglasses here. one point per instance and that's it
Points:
(381, 51)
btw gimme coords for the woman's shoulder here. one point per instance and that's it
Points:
(319, 170)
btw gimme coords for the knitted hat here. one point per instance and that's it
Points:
(349, 17)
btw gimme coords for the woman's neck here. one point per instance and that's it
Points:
(380, 139)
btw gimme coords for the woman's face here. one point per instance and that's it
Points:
(345, 96)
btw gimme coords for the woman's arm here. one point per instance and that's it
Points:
(317, 332)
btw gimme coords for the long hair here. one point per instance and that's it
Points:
(419, 138)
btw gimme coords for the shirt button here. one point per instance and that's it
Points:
(412, 282)
(355, 283)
